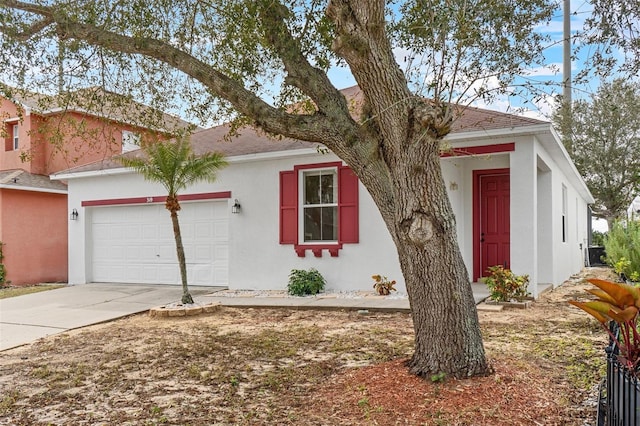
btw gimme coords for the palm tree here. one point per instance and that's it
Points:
(175, 166)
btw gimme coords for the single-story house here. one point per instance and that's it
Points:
(284, 204)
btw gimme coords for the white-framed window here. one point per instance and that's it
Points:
(15, 134)
(130, 141)
(319, 206)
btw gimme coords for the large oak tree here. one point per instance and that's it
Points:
(253, 57)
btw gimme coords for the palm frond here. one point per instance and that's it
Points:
(174, 165)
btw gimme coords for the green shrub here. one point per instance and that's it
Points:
(622, 245)
(303, 282)
(597, 238)
(504, 285)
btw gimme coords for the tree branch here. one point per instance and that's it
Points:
(29, 32)
(313, 128)
(309, 79)
(362, 41)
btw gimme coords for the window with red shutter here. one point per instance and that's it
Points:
(288, 207)
(348, 206)
(319, 208)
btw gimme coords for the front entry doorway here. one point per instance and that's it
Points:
(491, 220)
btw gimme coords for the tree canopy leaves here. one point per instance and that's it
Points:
(603, 139)
(612, 35)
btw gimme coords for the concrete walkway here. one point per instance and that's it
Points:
(24, 319)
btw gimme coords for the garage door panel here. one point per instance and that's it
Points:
(113, 253)
(221, 231)
(200, 273)
(133, 232)
(221, 273)
(149, 232)
(136, 244)
(221, 252)
(204, 229)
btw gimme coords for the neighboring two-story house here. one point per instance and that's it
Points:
(43, 135)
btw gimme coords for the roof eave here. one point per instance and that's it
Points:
(34, 189)
(502, 132)
(244, 158)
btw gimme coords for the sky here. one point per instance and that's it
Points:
(552, 71)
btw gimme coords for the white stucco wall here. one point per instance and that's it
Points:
(567, 257)
(258, 261)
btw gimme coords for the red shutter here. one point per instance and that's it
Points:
(347, 205)
(288, 207)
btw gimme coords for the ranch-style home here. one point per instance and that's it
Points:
(283, 205)
(43, 135)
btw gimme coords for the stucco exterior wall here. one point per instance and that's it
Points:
(34, 231)
(10, 158)
(86, 139)
(258, 261)
(560, 258)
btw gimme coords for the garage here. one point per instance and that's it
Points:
(135, 243)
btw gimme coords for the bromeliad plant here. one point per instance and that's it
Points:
(383, 285)
(618, 302)
(504, 285)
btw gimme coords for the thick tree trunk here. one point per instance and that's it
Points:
(447, 332)
(404, 177)
(186, 296)
(422, 225)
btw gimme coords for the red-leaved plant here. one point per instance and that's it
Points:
(620, 303)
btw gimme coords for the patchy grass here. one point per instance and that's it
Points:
(6, 292)
(292, 367)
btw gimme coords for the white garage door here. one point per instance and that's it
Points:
(135, 244)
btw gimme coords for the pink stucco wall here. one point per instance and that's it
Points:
(9, 158)
(33, 228)
(57, 142)
(86, 139)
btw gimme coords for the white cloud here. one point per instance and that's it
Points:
(551, 69)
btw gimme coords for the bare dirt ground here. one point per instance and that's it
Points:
(301, 367)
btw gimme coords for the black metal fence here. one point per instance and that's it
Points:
(619, 403)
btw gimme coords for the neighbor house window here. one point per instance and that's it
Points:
(565, 225)
(15, 132)
(130, 141)
(318, 208)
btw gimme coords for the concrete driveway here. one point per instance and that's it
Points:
(27, 318)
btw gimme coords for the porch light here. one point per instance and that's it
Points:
(74, 214)
(236, 207)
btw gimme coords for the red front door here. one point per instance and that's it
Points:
(494, 236)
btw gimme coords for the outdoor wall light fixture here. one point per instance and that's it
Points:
(74, 214)
(236, 207)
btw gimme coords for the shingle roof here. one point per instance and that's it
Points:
(252, 141)
(467, 119)
(21, 179)
(101, 103)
